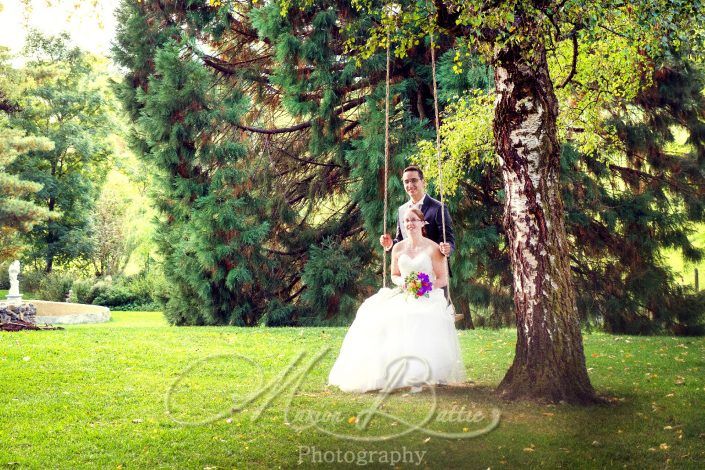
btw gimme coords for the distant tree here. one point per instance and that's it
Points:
(68, 102)
(111, 237)
(18, 214)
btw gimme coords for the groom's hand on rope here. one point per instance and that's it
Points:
(386, 241)
(445, 248)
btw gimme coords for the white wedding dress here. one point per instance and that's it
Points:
(397, 340)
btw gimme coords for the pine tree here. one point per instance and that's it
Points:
(294, 169)
(17, 213)
(214, 193)
(625, 210)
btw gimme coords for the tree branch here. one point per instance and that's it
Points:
(283, 130)
(303, 160)
(280, 130)
(574, 65)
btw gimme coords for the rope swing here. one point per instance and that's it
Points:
(451, 306)
(390, 10)
(386, 165)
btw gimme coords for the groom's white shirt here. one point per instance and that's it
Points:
(403, 210)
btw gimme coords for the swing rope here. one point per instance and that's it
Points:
(439, 158)
(386, 166)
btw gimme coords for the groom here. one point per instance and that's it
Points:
(415, 187)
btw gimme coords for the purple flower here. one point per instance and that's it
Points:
(417, 284)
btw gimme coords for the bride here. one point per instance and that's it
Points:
(398, 340)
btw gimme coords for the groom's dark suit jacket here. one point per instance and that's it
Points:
(431, 209)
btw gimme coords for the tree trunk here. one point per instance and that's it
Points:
(549, 363)
(464, 309)
(50, 238)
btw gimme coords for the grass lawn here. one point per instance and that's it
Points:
(96, 396)
(25, 294)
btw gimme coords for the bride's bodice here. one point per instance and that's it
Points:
(419, 263)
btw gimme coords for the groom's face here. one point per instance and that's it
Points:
(413, 184)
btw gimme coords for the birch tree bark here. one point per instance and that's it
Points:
(549, 364)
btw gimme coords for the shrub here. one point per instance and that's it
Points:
(54, 287)
(84, 291)
(115, 296)
(4, 277)
(144, 291)
(30, 280)
(139, 287)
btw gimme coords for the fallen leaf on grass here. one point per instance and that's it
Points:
(663, 446)
(528, 449)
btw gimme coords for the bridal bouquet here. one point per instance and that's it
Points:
(417, 284)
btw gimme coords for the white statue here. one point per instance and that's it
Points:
(14, 296)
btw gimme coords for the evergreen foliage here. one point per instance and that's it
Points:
(266, 125)
(627, 200)
(625, 209)
(240, 233)
(17, 213)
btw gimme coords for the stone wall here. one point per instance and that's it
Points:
(23, 312)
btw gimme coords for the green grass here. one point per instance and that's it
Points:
(25, 295)
(94, 396)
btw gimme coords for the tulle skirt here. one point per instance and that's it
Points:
(398, 341)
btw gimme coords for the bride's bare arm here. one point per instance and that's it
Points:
(394, 269)
(440, 269)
